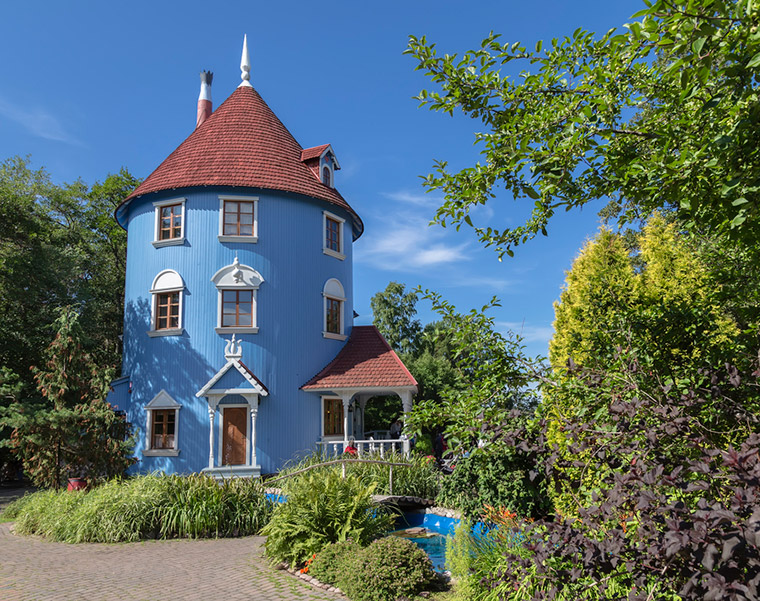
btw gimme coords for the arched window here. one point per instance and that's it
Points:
(327, 176)
(334, 302)
(166, 307)
(237, 285)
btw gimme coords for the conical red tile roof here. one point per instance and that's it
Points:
(366, 361)
(242, 143)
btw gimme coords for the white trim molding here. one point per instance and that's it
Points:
(237, 238)
(339, 254)
(157, 223)
(237, 277)
(166, 282)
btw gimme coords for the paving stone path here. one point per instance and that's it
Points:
(232, 569)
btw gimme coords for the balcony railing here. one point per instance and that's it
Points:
(334, 448)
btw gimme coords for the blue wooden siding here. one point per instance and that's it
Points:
(286, 352)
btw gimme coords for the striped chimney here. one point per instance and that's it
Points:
(204, 98)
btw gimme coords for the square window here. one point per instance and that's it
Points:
(332, 235)
(167, 311)
(237, 308)
(163, 428)
(170, 221)
(238, 218)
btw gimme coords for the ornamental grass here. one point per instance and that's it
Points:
(145, 507)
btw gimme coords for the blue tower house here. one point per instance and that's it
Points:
(238, 291)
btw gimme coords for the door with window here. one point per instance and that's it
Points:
(234, 434)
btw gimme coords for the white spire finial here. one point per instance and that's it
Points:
(245, 65)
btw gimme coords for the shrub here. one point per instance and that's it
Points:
(676, 514)
(323, 508)
(145, 507)
(332, 561)
(499, 479)
(387, 569)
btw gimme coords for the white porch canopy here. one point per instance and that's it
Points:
(239, 382)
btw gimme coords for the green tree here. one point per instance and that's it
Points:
(598, 293)
(492, 376)
(70, 430)
(658, 310)
(59, 244)
(662, 116)
(660, 303)
(393, 312)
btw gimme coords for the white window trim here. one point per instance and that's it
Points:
(157, 223)
(154, 292)
(329, 251)
(220, 432)
(331, 437)
(165, 403)
(248, 279)
(342, 301)
(250, 239)
(326, 162)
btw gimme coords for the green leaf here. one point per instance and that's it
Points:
(754, 61)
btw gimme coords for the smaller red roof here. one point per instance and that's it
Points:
(314, 152)
(366, 361)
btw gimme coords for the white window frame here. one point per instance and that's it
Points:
(157, 223)
(329, 251)
(235, 238)
(161, 402)
(326, 163)
(331, 437)
(237, 277)
(341, 298)
(176, 284)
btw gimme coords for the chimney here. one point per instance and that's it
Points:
(204, 99)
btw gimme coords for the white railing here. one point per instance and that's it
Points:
(334, 448)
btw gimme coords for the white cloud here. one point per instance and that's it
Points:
(38, 122)
(483, 282)
(529, 333)
(408, 243)
(419, 199)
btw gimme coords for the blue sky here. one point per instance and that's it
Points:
(89, 87)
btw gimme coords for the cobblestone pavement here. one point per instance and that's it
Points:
(232, 569)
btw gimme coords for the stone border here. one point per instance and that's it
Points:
(311, 580)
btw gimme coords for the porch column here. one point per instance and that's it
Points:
(362, 405)
(406, 400)
(254, 411)
(211, 412)
(346, 398)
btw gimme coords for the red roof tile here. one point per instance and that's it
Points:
(366, 361)
(314, 152)
(242, 143)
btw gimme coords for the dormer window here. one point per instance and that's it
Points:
(327, 176)
(169, 222)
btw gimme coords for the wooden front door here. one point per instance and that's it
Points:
(234, 435)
